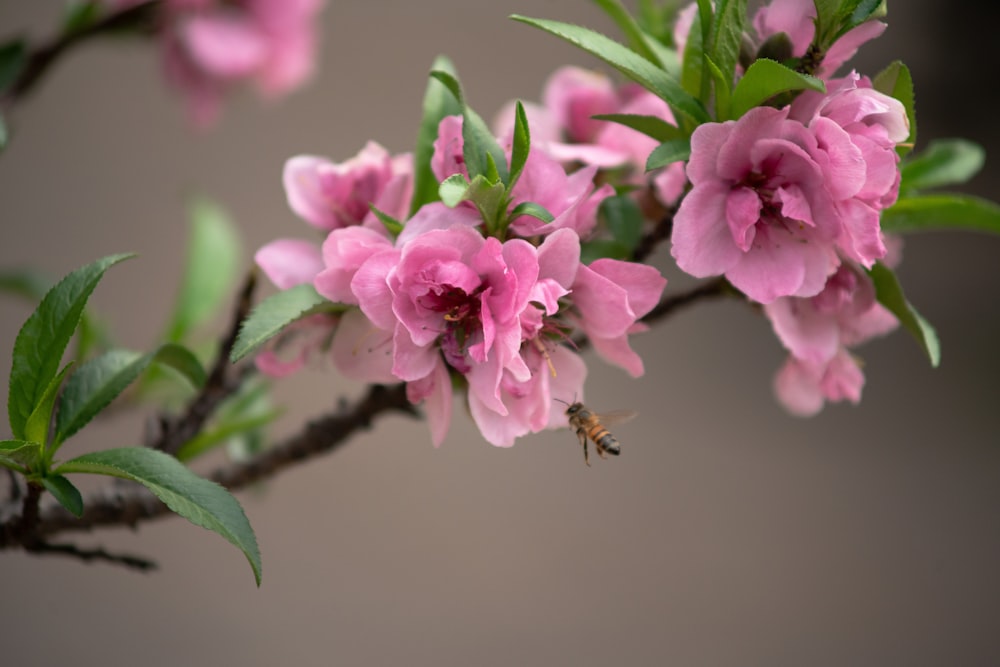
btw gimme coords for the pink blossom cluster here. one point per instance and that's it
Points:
(445, 304)
(210, 46)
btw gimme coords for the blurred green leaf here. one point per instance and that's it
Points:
(521, 144)
(890, 294)
(212, 259)
(943, 162)
(532, 209)
(942, 212)
(13, 58)
(393, 226)
(651, 126)
(200, 501)
(624, 220)
(42, 340)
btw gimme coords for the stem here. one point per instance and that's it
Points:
(141, 18)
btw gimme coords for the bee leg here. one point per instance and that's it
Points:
(600, 450)
(582, 435)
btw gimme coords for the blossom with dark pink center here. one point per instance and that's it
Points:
(760, 210)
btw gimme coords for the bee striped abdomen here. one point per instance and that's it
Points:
(605, 440)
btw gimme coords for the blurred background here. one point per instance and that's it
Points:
(727, 532)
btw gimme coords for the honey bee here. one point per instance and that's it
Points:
(591, 425)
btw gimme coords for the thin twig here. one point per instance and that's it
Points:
(712, 289)
(132, 504)
(175, 431)
(141, 17)
(95, 554)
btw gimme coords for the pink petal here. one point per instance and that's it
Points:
(362, 351)
(289, 262)
(702, 242)
(435, 391)
(224, 45)
(796, 386)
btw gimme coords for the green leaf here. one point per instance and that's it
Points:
(675, 150)
(728, 27)
(64, 491)
(860, 11)
(200, 501)
(532, 209)
(766, 78)
(693, 61)
(943, 162)
(521, 144)
(942, 212)
(438, 103)
(20, 455)
(637, 40)
(25, 283)
(453, 189)
(602, 249)
(896, 81)
(393, 226)
(275, 313)
(624, 219)
(890, 294)
(13, 58)
(212, 259)
(477, 140)
(99, 381)
(36, 428)
(629, 63)
(208, 439)
(42, 340)
(4, 136)
(651, 126)
(80, 15)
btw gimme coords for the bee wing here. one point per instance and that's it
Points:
(613, 417)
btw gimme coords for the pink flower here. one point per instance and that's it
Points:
(287, 263)
(874, 123)
(803, 387)
(330, 196)
(818, 332)
(610, 297)
(796, 19)
(210, 45)
(760, 211)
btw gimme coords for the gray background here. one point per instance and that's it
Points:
(726, 533)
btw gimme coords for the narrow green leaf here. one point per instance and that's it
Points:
(393, 226)
(728, 27)
(521, 145)
(675, 150)
(80, 15)
(4, 135)
(942, 212)
(630, 28)
(42, 340)
(532, 209)
(64, 491)
(102, 379)
(20, 455)
(275, 313)
(208, 439)
(862, 11)
(943, 162)
(212, 259)
(666, 57)
(766, 78)
(896, 81)
(693, 60)
(623, 219)
(36, 428)
(13, 58)
(200, 501)
(890, 294)
(628, 63)
(477, 140)
(651, 126)
(722, 87)
(453, 189)
(438, 103)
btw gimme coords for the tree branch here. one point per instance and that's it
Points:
(129, 504)
(142, 17)
(96, 554)
(175, 431)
